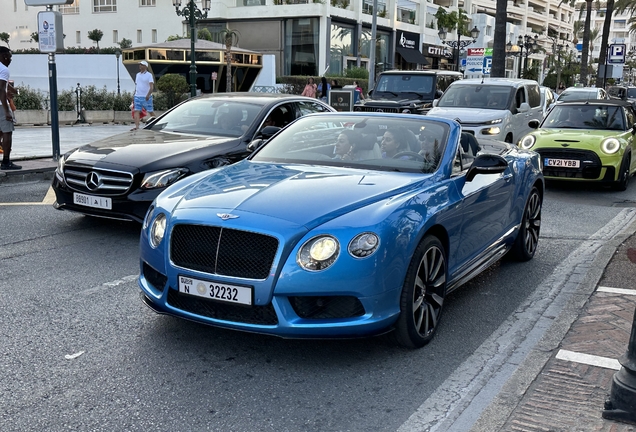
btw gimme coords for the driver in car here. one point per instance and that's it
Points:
(394, 141)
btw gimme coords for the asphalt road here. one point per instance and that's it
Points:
(68, 289)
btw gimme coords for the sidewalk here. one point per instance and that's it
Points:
(32, 148)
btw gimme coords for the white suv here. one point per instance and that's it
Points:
(494, 108)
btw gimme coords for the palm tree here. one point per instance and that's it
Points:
(231, 37)
(577, 28)
(499, 43)
(602, 58)
(96, 35)
(586, 43)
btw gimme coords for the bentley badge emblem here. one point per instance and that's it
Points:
(226, 216)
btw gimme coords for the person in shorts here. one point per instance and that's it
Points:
(144, 85)
(6, 114)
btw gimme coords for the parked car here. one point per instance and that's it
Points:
(573, 94)
(118, 177)
(548, 99)
(318, 235)
(626, 93)
(496, 108)
(407, 92)
(587, 141)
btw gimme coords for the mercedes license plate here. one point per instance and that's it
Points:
(92, 201)
(215, 290)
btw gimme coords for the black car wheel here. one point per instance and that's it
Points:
(423, 295)
(528, 237)
(623, 178)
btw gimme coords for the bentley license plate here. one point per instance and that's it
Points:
(92, 201)
(562, 163)
(216, 291)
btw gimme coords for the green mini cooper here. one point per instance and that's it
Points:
(586, 141)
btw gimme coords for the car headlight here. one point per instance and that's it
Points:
(610, 145)
(406, 111)
(157, 230)
(364, 245)
(162, 178)
(495, 121)
(148, 216)
(59, 172)
(491, 131)
(318, 253)
(527, 142)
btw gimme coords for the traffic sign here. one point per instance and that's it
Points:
(616, 53)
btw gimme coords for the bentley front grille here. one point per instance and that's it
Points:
(97, 180)
(223, 251)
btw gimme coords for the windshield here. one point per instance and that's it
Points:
(209, 117)
(631, 93)
(477, 96)
(585, 117)
(369, 142)
(421, 85)
(577, 96)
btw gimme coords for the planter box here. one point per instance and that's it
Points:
(32, 117)
(105, 116)
(43, 117)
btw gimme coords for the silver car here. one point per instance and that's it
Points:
(576, 94)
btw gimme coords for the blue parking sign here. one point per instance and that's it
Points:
(616, 53)
(487, 65)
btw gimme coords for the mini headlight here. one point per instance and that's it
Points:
(527, 142)
(318, 253)
(610, 145)
(491, 131)
(364, 245)
(162, 178)
(158, 230)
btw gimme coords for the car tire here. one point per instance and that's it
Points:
(525, 244)
(422, 298)
(623, 178)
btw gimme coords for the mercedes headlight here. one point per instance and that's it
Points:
(157, 230)
(364, 245)
(162, 179)
(406, 111)
(318, 253)
(59, 172)
(610, 145)
(527, 142)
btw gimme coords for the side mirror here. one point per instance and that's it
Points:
(435, 102)
(524, 107)
(534, 124)
(486, 164)
(269, 131)
(255, 145)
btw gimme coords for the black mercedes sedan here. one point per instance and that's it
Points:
(119, 177)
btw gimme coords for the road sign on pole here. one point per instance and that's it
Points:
(616, 53)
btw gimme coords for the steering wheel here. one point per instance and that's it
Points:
(410, 154)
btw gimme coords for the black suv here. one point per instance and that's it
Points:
(626, 93)
(408, 92)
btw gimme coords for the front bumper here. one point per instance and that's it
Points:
(592, 167)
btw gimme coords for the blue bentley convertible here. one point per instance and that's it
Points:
(341, 225)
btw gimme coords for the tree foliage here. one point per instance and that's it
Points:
(230, 37)
(35, 37)
(125, 43)
(96, 35)
(4, 37)
(174, 87)
(204, 34)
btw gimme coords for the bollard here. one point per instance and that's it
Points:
(621, 405)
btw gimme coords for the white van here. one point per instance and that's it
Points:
(493, 108)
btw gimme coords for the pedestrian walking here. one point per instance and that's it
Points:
(6, 114)
(560, 88)
(144, 85)
(324, 88)
(359, 89)
(310, 88)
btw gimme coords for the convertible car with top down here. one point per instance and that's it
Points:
(340, 225)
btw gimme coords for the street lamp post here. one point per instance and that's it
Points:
(117, 54)
(530, 45)
(193, 13)
(458, 44)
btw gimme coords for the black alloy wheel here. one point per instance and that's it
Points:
(528, 237)
(423, 293)
(623, 178)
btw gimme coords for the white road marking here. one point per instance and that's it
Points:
(592, 360)
(112, 284)
(616, 290)
(72, 356)
(49, 199)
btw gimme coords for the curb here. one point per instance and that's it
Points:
(34, 168)
(504, 404)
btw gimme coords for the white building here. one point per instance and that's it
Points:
(308, 37)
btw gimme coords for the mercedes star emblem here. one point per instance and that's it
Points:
(93, 181)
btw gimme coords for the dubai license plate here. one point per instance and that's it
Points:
(92, 201)
(562, 163)
(216, 291)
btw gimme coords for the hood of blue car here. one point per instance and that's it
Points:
(296, 193)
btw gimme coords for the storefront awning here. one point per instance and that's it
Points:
(412, 56)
